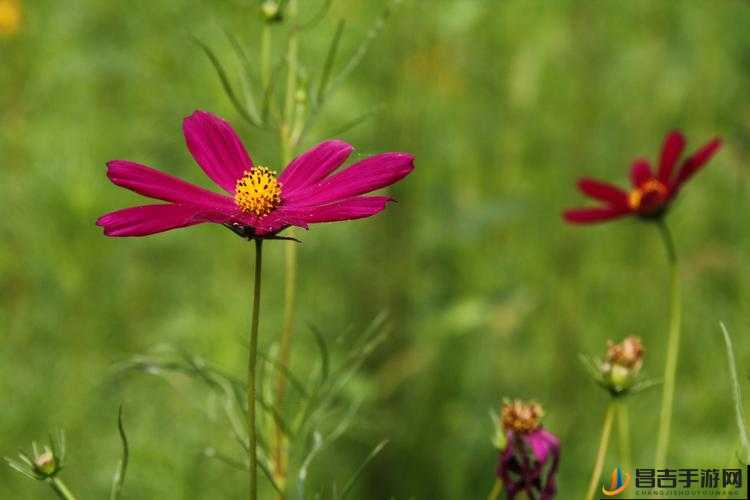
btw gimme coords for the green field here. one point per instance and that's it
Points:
(488, 293)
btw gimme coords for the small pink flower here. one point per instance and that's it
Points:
(651, 193)
(256, 203)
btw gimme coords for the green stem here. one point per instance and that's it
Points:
(287, 140)
(60, 489)
(602, 453)
(623, 427)
(251, 373)
(265, 56)
(497, 488)
(673, 348)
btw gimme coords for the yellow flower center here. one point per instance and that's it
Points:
(258, 192)
(10, 16)
(649, 197)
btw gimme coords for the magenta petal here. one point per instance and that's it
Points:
(353, 208)
(542, 443)
(603, 191)
(150, 219)
(216, 147)
(592, 215)
(150, 182)
(640, 172)
(696, 161)
(364, 176)
(275, 222)
(674, 143)
(314, 165)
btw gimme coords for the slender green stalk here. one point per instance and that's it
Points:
(497, 488)
(623, 427)
(286, 137)
(602, 453)
(265, 56)
(673, 348)
(60, 489)
(251, 373)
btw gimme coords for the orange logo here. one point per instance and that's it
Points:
(617, 484)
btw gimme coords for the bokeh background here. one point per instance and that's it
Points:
(489, 294)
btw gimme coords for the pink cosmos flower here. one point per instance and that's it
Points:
(651, 193)
(255, 203)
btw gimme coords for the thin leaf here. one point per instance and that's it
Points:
(235, 464)
(226, 84)
(247, 72)
(329, 61)
(269, 476)
(356, 121)
(317, 17)
(350, 484)
(737, 393)
(20, 468)
(285, 372)
(364, 47)
(122, 466)
(325, 359)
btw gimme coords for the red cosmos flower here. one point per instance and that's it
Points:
(651, 194)
(256, 204)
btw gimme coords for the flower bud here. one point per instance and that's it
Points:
(622, 364)
(45, 463)
(271, 11)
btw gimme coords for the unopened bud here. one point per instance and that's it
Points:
(271, 11)
(45, 464)
(622, 364)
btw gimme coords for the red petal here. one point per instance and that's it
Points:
(695, 162)
(592, 215)
(603, 191)
(640, 172)
(674, 143)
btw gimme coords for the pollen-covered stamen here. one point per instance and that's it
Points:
(521, 417)
(258, 192)
(649, 197)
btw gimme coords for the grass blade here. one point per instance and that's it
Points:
(737, 393)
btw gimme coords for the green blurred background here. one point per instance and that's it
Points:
(489, 293)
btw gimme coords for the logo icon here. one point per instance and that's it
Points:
(618, 483)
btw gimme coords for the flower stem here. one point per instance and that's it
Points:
(60, 489)
(265, 56)
(601, 454)
(623, 426)
(673, 347)
(251, 373)
(287, 140)
(497, 488)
